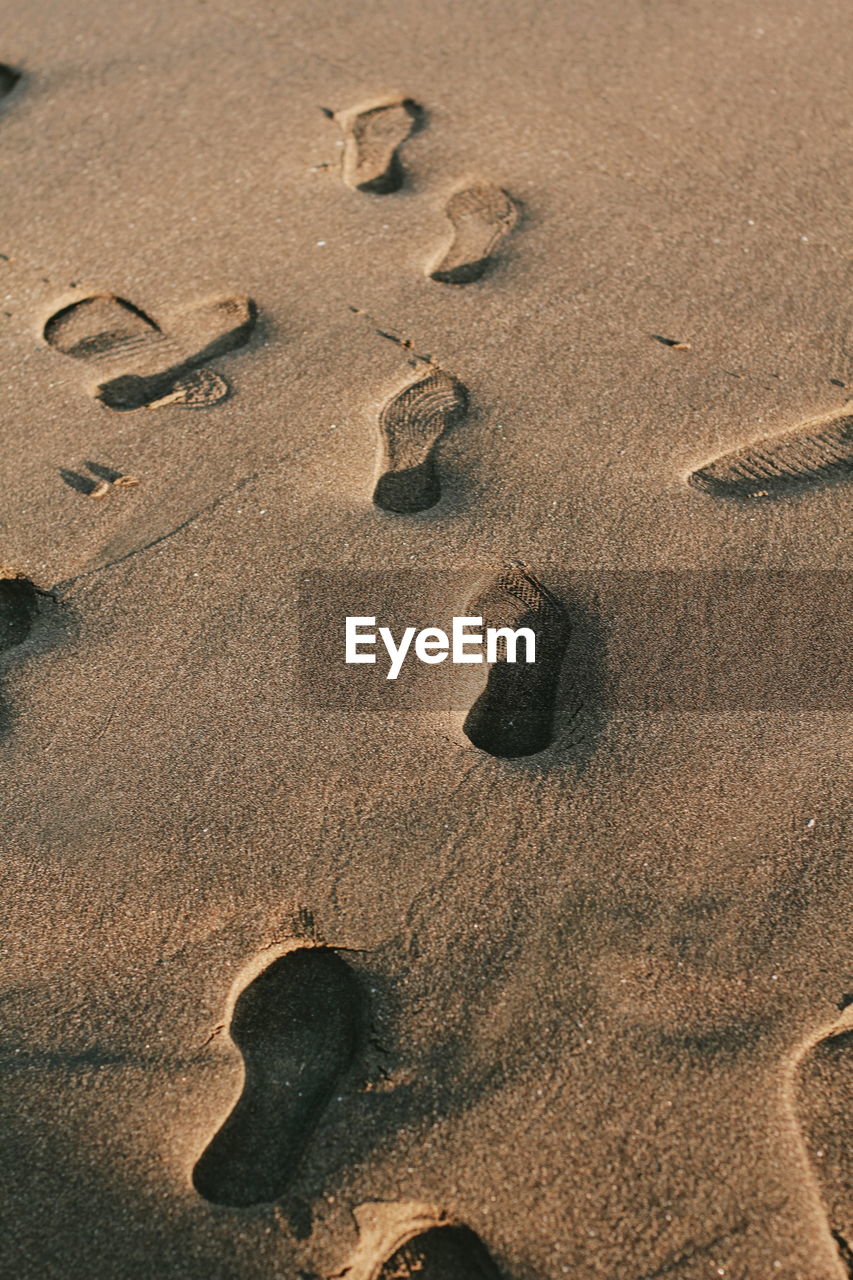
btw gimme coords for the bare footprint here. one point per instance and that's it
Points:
(298, 1026)
(514, 714)
(373, 134)
(410, 425)
(482, 216)
(135, 363)
(817, 451)
(403, 1241)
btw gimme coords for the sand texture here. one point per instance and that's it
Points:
(299, 976)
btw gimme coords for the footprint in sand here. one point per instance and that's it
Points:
(134, 363)
(410, 425)
(101, 482)
(819, 450)
(514, 714)
(824, 1087)
(299, 1027)
(9, 77)
(482, 216)
(373, 134)
(398, 1241)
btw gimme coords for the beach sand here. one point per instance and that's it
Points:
(604, 988)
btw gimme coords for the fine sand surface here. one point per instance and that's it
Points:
(592, 1003)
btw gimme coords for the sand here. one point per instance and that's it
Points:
(604, 985)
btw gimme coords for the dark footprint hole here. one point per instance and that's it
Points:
(668, 342)
(514, 715)
(78, 482)
(453, 1252)
(102, 472)
(299, 1026)
(19, 604)
(406, 492)
(417, 114)
(9, 77)
(845, 1252)
(395, 175)
(411, 424)
(467, 273)
(133, 391)
(24, 610)
(558, 702)
(388, 182)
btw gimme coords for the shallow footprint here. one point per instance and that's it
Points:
(373, 133)
(819, 450)
(198, 389)
(824, 1092)
(410, 425)
(100, 483)
(514, 715)
(482, 216)
(298, 1026)
(151, 366)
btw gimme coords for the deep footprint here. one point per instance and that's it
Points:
(451, 1252)
(410, 426)
(298, 1026)
(820, 450)
(482, 216)
(373, 134)
(151, 366)
(514, 715)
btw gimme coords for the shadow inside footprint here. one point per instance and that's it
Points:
(410, 425)
(299, 1027)
(819, 451)
(80, 483)
(106, 479)
(9, 77)
(136, 363)
(514, 715)
(445, 1252)
(21, 603)
(481, 216)
(373, 134)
